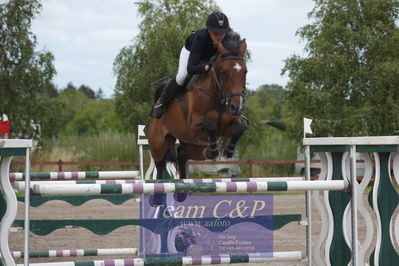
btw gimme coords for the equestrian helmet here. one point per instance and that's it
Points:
(217, 22)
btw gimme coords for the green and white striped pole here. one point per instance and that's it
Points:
(216, 187)
(189, 260)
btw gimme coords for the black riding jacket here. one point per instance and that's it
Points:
(201, 48)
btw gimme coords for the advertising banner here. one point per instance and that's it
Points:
(206, 224)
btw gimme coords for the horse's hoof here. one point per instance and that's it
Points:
(211, 153)
(180, 197)
(228, 152)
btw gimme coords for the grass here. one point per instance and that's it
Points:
(272, 146)
(105, 147)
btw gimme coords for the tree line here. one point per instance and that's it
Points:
(347, 81)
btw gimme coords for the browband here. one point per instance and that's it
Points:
(231, 57)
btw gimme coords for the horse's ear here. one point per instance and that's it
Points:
(243, 48)
(221, 49)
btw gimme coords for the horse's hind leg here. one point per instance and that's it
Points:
(182, 159)
(161, 167)
(168, 155)
(236, 132)
(158, 199)
(209, 126)
(187, 152)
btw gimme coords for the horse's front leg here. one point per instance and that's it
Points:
(212, 151)
(237, 130)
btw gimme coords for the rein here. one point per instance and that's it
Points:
(213, 97)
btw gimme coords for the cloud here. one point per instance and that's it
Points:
(85, 37)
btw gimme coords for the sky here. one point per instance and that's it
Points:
(86, 36)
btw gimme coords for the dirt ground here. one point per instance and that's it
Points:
(289, 238)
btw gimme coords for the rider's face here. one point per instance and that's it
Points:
(216, 37)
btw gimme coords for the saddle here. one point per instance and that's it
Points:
(180, 94)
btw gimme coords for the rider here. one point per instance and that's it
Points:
(199, 46)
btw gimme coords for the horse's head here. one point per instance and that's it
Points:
(230, 71)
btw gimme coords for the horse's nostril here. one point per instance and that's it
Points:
(234, 109)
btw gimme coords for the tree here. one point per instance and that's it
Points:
(262, 141)
(348, 83)
(99, 94)
(76, 112)
(267, 102)
(82, 88)
(97, 116)
(154, 53)
(25, 74)
(88, 91)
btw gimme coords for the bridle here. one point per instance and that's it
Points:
(224, 96)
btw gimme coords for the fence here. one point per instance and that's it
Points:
(249, 163)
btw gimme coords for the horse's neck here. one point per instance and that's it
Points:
(207, 82)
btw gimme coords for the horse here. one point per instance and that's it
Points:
(210, 108)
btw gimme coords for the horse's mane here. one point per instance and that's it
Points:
(232, 43)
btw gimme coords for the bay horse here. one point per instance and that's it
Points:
(211, 108)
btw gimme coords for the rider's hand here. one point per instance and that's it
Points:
(206, 68)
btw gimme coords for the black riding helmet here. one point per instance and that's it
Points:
(217, 22)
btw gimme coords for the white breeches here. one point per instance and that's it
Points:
(182, 70)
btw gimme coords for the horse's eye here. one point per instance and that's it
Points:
(225, 73)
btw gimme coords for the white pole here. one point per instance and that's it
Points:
(354, 205)
(141, 161)
(27, 205)
(308, 208)
(141, 143)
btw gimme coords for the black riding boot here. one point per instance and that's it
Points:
(167, 93)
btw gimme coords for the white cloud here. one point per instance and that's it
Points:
(85, 37)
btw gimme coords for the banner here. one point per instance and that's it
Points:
(175, 225)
